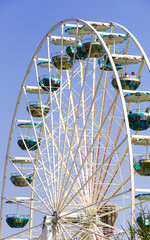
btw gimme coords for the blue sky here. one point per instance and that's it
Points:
(23, 24)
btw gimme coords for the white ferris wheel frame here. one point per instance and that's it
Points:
(87, 24)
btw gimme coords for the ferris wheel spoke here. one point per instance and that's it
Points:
(109, 110)
(76, 129)
(21, 232)
(85, 235)
(92, 129)
(98, 231)
(87, 230)
(114, 145)
(98, 169)
(39, 152)
(38, 207)
(117, 189)
(66, 124)
(76, 234)
(106, 144)
(83, 113)
(63, 163)
(59, 183)
(96, 204)
(114, 173)
(86, 69)
(52, 127)
(62, 233)
(108, 164)
(33, 189)
(46, 140)
(37, 172)
(61, 158)
(60, 98)
(100, 122)
(65, 230)
(107, 226)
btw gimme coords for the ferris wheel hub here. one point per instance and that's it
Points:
(54, 218)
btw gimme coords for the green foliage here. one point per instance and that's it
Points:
(141, 230)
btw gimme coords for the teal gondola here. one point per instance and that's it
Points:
(143, 222)
(107, 66)
(139, 121)
(44, 83)
(142, 167)
(97, 50)
(36, 109)
(30, 144)
(113, 38)
(145, 166)
(45, 64)
(73, 30)
(127, 83)
(29, 125)
(63, 61)
(143, 196)
(17, 221)
(138, 168)
(19, 181)
(137, 97)
(79, 53)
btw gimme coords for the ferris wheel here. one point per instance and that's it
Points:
(69, 170)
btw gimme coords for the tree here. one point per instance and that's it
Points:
(141, 230)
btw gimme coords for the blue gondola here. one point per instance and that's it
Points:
(19, 181)
(31, 144)
(17, 221)
(127, 83)
(79, 53)
(44, 83)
